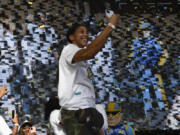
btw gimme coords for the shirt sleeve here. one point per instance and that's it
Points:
(4, 128)
(70, 53)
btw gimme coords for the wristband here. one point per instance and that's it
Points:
(16, 124)
(111, 25)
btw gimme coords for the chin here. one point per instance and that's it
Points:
(84, 45)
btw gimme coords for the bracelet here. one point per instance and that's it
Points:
(16, 124)
(111, 25)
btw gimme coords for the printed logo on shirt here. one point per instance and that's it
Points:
(77, 93)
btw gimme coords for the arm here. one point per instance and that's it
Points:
(97, 44)
(3, 91)
(56, 55)
(16, 124)
(176, 117)
(101, 132)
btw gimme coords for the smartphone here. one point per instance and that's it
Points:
(13, 113)
(109, 13)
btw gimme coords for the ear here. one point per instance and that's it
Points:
(71, 37)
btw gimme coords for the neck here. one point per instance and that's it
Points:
(78, 45)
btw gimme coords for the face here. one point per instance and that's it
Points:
(26, 129)
(80, 37)
(146, 34)
(114, 118)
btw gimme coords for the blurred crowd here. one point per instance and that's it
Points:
(112, 115)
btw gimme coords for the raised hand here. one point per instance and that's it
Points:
(3, 91)
(114, 19)
(16, 124)
(15, 119)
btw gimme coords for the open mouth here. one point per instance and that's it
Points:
(84, 40)
(113, 122)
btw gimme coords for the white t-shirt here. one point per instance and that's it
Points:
(75, 89)
(4, 128)
(55, 119)
(101, 109)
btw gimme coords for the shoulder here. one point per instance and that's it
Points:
(129, 130)
(68, 53)
(70, 48)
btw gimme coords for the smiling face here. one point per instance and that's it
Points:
(80, 37)
(114, 118)
(26, 129)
